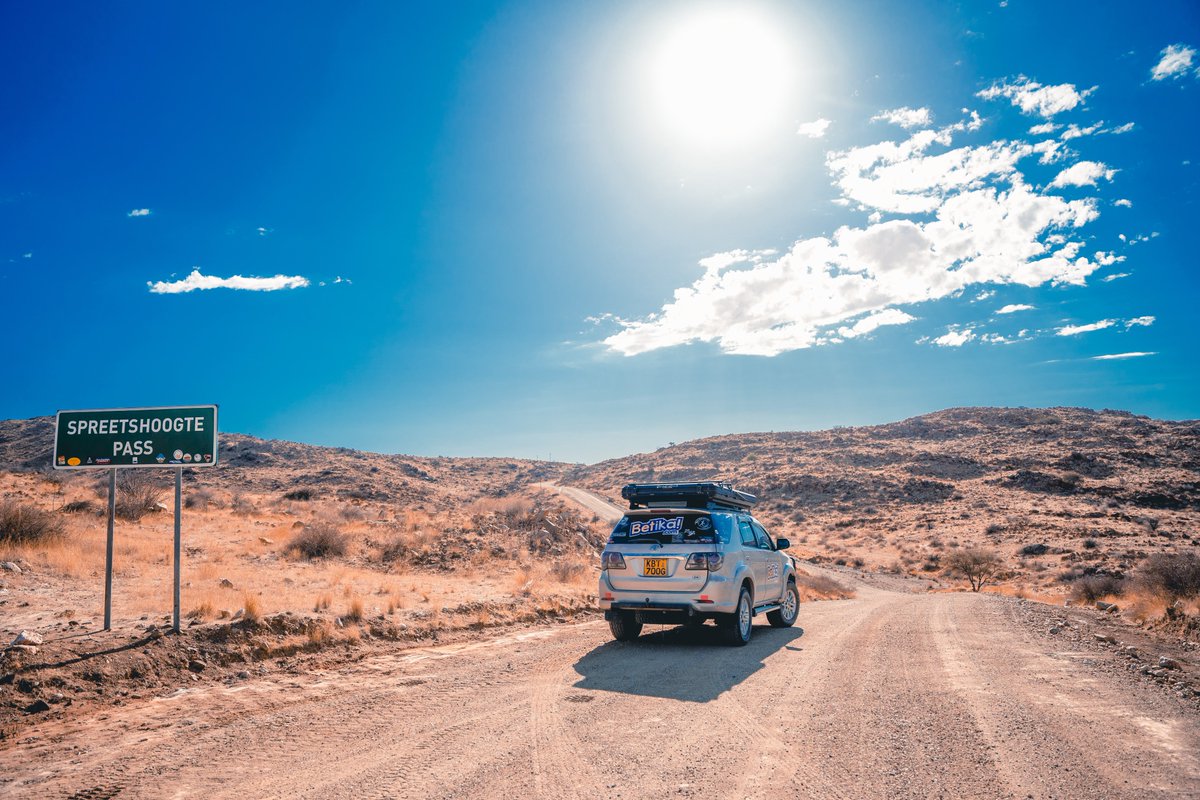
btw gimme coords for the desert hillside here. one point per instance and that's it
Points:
(261, 466)
(1058, 492)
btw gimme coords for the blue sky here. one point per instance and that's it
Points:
(582, 230)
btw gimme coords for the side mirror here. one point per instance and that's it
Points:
(782, 544)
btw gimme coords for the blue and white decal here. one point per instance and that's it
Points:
(657, 525)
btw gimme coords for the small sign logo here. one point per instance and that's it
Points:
(178, 454)
(160, 458)
(72, 462)
(62, 460)
(657, 525)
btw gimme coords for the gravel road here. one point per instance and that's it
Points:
(892, 694)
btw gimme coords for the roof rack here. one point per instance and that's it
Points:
(704, 494)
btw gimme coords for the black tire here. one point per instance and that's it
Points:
(625, 627)
(789, 608)
(738, 626)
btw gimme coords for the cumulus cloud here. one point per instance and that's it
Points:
(955, 337)
(959, 216)
(1114, 356)
(198, 281)
(1034, 98)
(1044, 128)
(889, 316)
(1083, 173)
(1175, 62)
(1146, 321)
(1075, 330)
(815, 129)
(1123, 203)
(906, 117)
(139, 212)
(1012, 308)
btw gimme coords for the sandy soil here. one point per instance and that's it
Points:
(897, 693)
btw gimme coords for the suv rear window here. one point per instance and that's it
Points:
(669, 526)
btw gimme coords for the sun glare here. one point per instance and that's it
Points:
(721, 78)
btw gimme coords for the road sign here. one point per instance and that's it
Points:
(170, 436)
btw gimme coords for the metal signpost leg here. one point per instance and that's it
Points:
(108, 551)
(178, 507)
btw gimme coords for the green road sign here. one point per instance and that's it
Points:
(175, 436)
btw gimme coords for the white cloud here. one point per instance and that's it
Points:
(139, 212)
(1175, 62)
(1146, 321)
(261, 231)
(1107, 259)
(888, 316)
(1034, 98)
(984, 295)
(1013, 308)
(1075, 330)
(27, 255)
(1073, 131)
(1115, 276)
(906, 117)
(1083, 173)
(960, 218)
(1117, 131)
(955, 337)
(196, 281)
(1114, 356)
(815, 129)
(1044, 128)
(1123, 203)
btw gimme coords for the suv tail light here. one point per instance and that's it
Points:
(709, 561)
(612, 561)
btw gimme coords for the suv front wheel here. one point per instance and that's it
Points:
(738, 625)
(624, 626)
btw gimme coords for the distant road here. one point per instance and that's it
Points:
(589, 500)
(893, 694)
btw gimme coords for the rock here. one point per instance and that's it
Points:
(1055, 629)
(27, 637)
(1131, 651)
(1168, 663)
(240, 613)
(24, 649)
(11, 567)
(1106, 638)
(1103, 606)
(36, 707)
(58, 697)
(226, 583)
(196, 665)
(265, 540)
(26, 686)
(243, 675)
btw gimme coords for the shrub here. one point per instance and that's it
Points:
(319, 540)
(250, 609)
(1037, 549)
(1174, 576)
(300, 494)
(138, 494)
(977, 564)
(1091, 588)
(354, 613)
(79, 507)
(242, 505)
(25, 524)
(200, 500)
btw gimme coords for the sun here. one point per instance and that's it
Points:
(721, 78)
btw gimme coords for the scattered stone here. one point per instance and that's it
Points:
(36, 707)
(226, 583)
(1055, 629)
(265, 540)
(11, 567)
(240, 613)
(244, 675)
(58, 697)
(1103, 606)
(1168, 663)
(1131, 651)
(24, 649)
(196, 665)
(27, 637)
(1106, 638)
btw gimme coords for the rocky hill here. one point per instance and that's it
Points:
(1098, 490)
(250, 464)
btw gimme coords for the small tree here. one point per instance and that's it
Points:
(977, 564)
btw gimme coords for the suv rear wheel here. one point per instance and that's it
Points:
(625, 627)
(738, 625)
(789, 608)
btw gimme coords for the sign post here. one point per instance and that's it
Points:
(133, 438)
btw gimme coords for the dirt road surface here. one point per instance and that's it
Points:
(592, 502)
(889, 695)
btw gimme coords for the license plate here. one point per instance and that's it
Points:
(654, 567)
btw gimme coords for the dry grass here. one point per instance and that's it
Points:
(820, 587)
(251, 611)
(354, 611)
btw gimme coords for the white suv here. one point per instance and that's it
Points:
(689, 552)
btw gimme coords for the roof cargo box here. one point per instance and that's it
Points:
(705, 494)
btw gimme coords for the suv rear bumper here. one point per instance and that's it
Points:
(720, 596)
